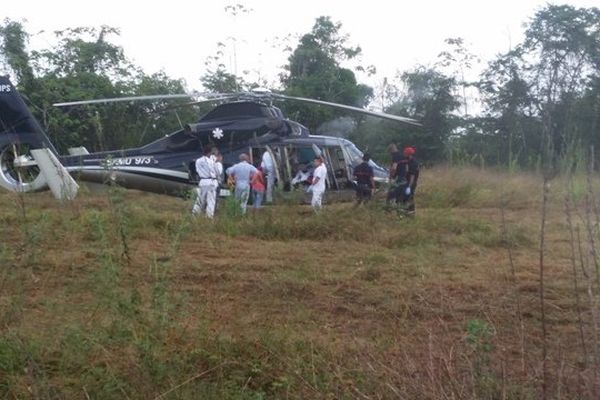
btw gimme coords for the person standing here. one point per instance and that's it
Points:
(218, 159)
(318, 183)
(268, 168)
(365, 181)
(412, 176)
(257, 183)
(242, 173)
(207, 185)
(397, 176)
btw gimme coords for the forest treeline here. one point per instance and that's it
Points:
(530, 106)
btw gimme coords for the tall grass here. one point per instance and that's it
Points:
(147, 302)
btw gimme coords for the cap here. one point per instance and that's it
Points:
(409, 151)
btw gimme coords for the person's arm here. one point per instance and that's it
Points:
(393, 170)
(219, 169)
(316, 178)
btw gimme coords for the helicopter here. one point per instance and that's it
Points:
(244, 123)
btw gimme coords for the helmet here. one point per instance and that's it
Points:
(409, 151)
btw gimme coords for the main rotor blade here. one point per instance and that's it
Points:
(136, 98)
(351, 108)
(191, 103)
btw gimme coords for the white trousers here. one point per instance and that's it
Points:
(270, 184)
(317, 197)
(205, 200)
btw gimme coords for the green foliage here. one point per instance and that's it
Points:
(538, 96)
(479, 338)
(429, 98)
(85, 64)
(13, 51)
(315, 71)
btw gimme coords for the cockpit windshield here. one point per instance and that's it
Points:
(356, 155)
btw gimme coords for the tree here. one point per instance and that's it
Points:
(217, 79)
(315, 71)
(428, 96)
(84, 64)
(540, 97)
(13, 49)
(459, 59)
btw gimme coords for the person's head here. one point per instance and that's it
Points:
(366, 157)
(207, 150)
(409, 151)
(244, 157)
(392, 148)
(318, 161)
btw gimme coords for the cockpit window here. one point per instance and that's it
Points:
(355, 154)
(306, 155)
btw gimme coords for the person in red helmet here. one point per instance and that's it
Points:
(412, 176)
(397, 175)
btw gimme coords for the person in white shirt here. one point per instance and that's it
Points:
(242, 172)
(268, 167)
(207, 185)
(218, 159)
(318, 183)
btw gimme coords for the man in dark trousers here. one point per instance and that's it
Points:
(412, 176)
(397, 177)
(365, 182)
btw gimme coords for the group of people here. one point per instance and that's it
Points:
(403, 177)
(259, 180)
(245, 177)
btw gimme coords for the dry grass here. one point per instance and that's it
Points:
(286, 304)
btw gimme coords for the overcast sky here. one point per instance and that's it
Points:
(177, 36)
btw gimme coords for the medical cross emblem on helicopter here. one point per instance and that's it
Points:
(253, 125)
(217, 133)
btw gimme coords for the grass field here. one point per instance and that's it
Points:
(124, 295)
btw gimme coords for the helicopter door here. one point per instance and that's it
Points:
(347, 161)
(331, 171)
(288, 168)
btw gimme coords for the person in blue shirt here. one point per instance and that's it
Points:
(242, 173)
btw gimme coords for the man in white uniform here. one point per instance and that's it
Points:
(217, 157)
(242, 172)
(268, 167)
(318, 183)
(207, 186)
